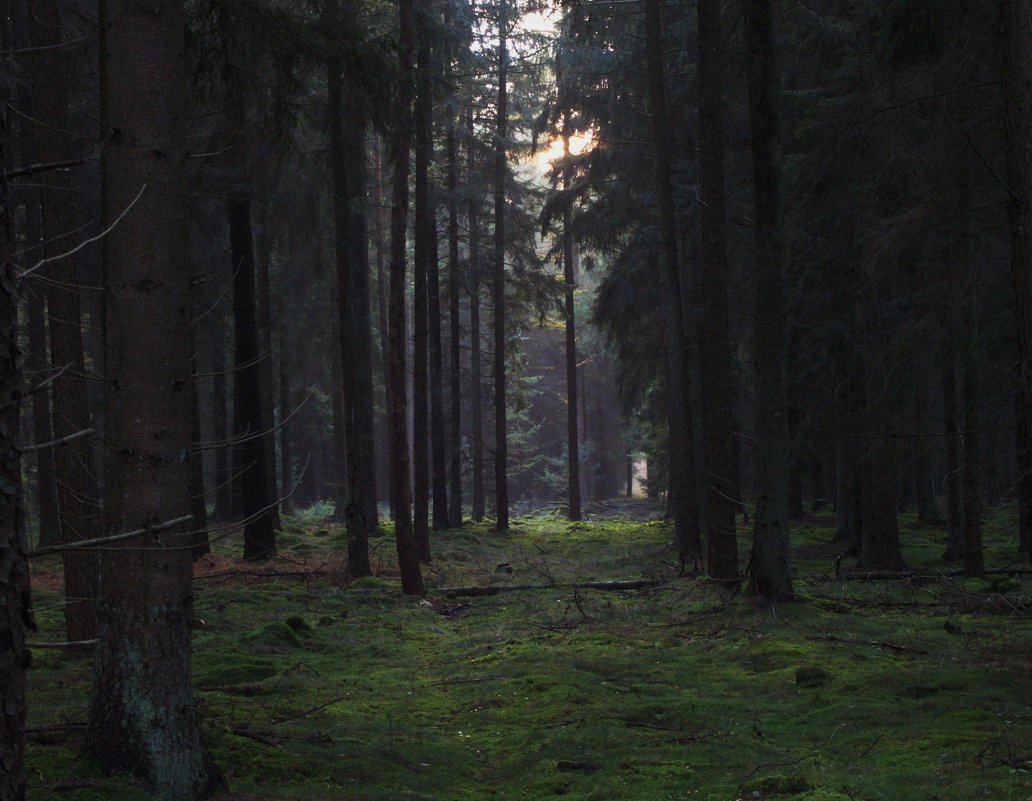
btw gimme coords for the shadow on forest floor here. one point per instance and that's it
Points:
(310, 688)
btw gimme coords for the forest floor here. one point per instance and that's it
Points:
(311, 688)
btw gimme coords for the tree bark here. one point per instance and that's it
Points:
(455, 327)
(408, 552)
(348, 156)
(476, 359)
(425, 231)
(77, 485)
(142, 718)
(249, 465)
(718, 414)
(501, 455)
(771, 574)
(220, 421)
(15, 599)
(1016, 44)
(266, 365)
(286, 409)
(573, 509)
(682, 493)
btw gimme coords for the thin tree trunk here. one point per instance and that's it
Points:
(286, 408)
(718, 415)
(356, 332)
(408, 550)
(198, 497)
(381, 297)
(455, 329)
(573, 511)
(425, 231)
(771, 575)
(142, 717)
(682, 495)
(220, 420)
(501, 455)
(77, 485)
(974, 561)
(249, 465)
(266, 366)
(476, 392)
(438, 448)
(15, 598)
(338, 458)
(1016, 44)
(951, 429)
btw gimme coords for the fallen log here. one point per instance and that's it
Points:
(496, 589)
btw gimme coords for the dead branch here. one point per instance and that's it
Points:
(611, 586)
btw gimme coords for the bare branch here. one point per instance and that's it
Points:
(55, 443)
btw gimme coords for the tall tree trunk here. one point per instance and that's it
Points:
(266, 364)
(249, 465)
(425, 231)
(974, 561)
(408, 549)
(501, 455)
(198, 496)
(286, 409)
(718, 414)
(573, 511)
(455, 327)
(438, 448)
(220, 420)
(77, 485)
(338, 456)
(771, 574)
(15, 599)
(476, 359)
(1016, 44)
(356, 347)
(381, 297)
(953, 435)
(682, 493)
(142, 717)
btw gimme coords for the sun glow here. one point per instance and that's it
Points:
(579, 143)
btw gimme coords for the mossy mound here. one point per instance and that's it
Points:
(214, 669)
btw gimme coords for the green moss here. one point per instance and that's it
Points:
(224, 669)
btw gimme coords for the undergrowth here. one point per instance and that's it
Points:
(312, 688)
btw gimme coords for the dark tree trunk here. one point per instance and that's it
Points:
(286, 409)
(15, 599)
(220, 420)
(718, 414)
(455, 330)
(771, 573)
(425, 231)
(1023, 484)
(974, 561)
(338, 456)
(249, 465)
(142, 718)
(476, 359)
(501, 455)
(880, 549)
(408, 550)
(39, 369)
(682, 488)
(569, 286)
(266, 365)
(77, 486)
(1016, 44)
(438, 449)
(198, 497)
(924, 487)
(952, 431)
(356, 347)
(381, 297)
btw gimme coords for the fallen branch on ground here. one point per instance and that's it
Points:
(497, 589)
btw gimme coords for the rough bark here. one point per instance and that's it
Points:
(250, 470)
(408, 552)
(356, 347)
(573, 509)
(974, 560)
(15, 600)
(501, 454)
(1016, 44)
(717, 410)
(77, 485)
(220, 422)
(477, 507)
(266, 365)
(142, 718)
(425, 230)
(455, 329)
(286, 432)
(682, 493)
(771, 575)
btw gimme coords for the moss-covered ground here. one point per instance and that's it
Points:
(311, 688)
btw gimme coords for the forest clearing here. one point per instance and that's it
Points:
(312, 687)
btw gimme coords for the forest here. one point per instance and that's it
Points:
(431, 400)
